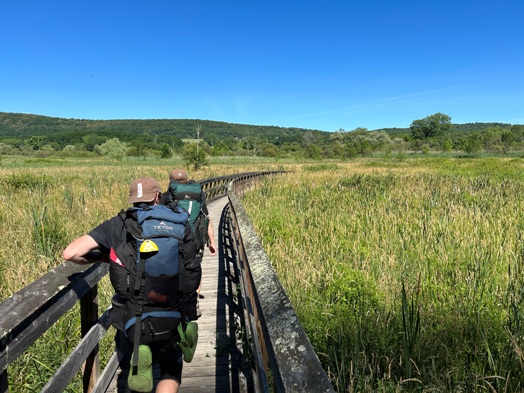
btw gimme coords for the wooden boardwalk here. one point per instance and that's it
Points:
(219, 364)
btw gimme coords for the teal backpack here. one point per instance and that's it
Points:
(191, 197)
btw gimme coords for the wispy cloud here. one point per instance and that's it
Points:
(367, 106)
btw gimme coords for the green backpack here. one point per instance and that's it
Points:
(191, 198)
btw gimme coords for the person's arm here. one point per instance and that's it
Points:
(83, 251)
(211, 236)
(210, 231)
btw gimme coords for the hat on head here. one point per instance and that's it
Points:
(178, 175)
(143, 190)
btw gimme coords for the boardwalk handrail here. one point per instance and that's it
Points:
(36, 307)
(280, 343)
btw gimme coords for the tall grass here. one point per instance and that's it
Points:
(47, 203)
(407, 275)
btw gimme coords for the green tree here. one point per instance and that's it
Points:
(6, 149)
(473, 144)
(361, 141)
(313, 151)
(251, 144)
(91, 140)
(269, 150)
(137, 148)
(113, 148)
(447, 145)
(36, 142)
(15, 142)
(431, 126)
(193, 155)
(165, 151)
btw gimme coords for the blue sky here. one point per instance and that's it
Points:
(325, 64)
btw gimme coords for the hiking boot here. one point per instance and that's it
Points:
(188, 340)
(143, 380)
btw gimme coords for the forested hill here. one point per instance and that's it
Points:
(27, 134)
(26, 125)
(456, 128)
(20, 125)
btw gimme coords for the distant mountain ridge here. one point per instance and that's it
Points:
(26, 125)
(22, 125)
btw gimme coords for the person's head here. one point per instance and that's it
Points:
(178, 175)
(144, 190)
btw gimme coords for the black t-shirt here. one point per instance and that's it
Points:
(109, 234)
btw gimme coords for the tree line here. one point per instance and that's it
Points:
(43, 136)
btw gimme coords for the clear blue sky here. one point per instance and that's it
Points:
(325, 64)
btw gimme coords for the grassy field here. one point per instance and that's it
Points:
(47, 203)
(407, 275)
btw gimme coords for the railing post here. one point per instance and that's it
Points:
(4, 385)
(88, 318)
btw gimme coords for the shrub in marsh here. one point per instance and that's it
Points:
(26, 181)
(362, 183)
(321, 167)
(351, 290)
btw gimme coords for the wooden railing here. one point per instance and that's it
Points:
(280, 342)
(281, 348)
(29, 313)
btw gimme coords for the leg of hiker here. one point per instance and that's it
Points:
(170, 368)
(211, 246)
(167, 386)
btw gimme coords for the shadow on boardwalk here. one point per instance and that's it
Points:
(222, 361)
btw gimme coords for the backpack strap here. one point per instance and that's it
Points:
(138, 292)
(129, 217)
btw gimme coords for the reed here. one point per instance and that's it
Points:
(406, 274)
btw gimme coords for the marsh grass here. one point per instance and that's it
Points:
(406, 275)
(47, 203)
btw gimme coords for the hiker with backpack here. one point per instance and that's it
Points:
(189, 195)
(186, 192)
(144, 246)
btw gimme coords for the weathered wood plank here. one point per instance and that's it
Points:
(107, 377)
(73, 362)
(201, 374)
(30, 312)
(216, 365)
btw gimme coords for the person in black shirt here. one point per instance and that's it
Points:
(105, 238)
